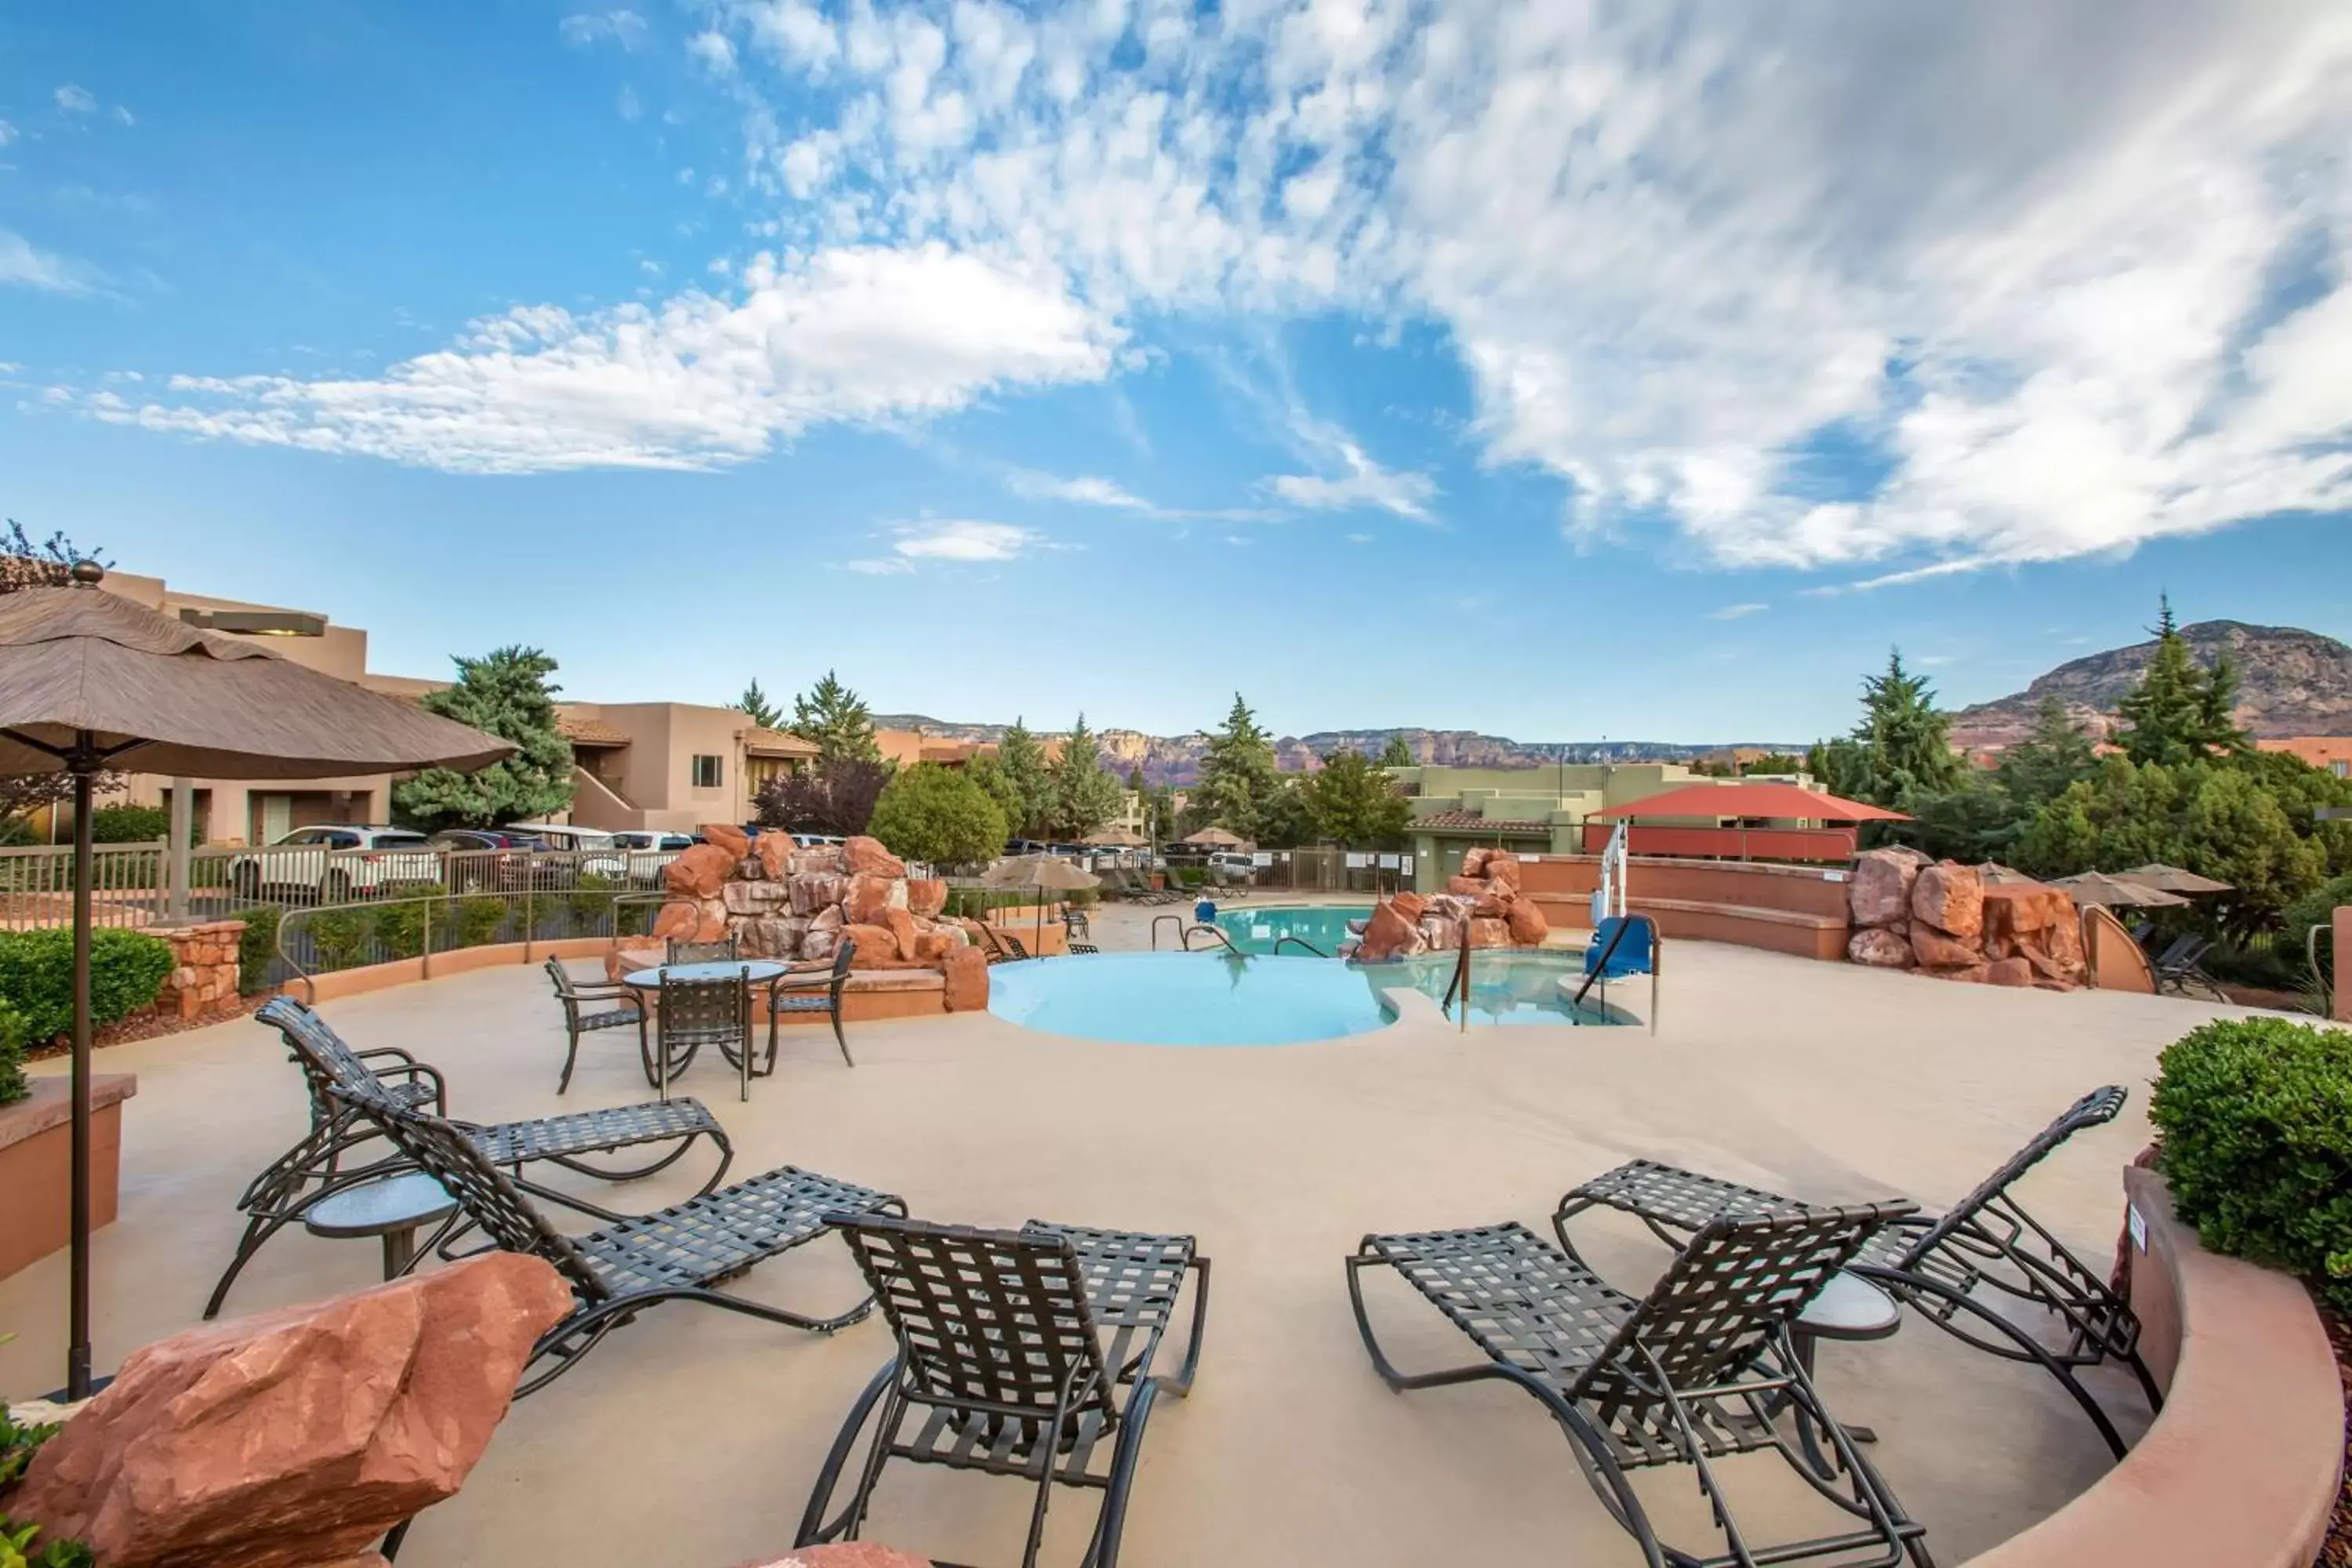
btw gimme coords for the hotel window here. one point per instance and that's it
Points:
(2341, 767)
(706, 773)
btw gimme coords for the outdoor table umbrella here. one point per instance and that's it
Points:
(1041, 873)
(90, 680)
(2098, 888)
(2173, 879)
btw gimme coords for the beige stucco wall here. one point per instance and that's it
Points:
(655, 772)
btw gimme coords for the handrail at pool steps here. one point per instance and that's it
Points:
(1299, 940)
(1217, 931)
(1599, 973)
(1155, 930)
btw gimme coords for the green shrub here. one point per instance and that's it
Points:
(338, 938)
(129, 824)
(2315, 907)
(127, 970)
(478, 919)
(2255, 1119)
(13, 1087)
(17, 1551)
(2264, 965)
(399, 930)
(256, 950)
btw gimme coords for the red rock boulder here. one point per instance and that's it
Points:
(1879, 947)
(867, 855)
(699, 872)
(1949, 897)
(2008, 972)
(1880, 892)
(1489, 933)
(1474, 859)
(878, 946)
(1971, 973)
(926, 897)
(1409, 905)
(1527, 926)
(967, 986)
(1466, 886)
(1934, 950)
(868, 896)
(902, 928)
(815, 890)
(2015, 909)
(1388, 936)
(727, 837)
(774, 847)
(296, 1437)
(678, 921)
(1504, 868)
(620, 961)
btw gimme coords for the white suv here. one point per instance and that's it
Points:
(334, 861)
(648, 850)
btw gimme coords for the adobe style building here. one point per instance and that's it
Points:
(2331, 752)
(671, 765)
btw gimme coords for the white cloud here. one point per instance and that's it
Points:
(713, 50)
(1364, 483)
(1675, 250)
(74, 99)
(582, 29)
(1360, 539)
(7, 134)
(955, 541)
(28, 267)
(1086, 490)
(1737, 612)
(629, 104)
(859, 334)
(124, 117)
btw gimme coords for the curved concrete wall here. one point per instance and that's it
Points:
(1800, 909)
(2242, 1468)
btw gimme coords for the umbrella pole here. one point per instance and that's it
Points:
(84, 762)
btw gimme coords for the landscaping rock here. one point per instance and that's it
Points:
(1880, 892)
(902, 927)
(1526, 921)
(818, 858)
(1934, 950)
(1474, 859)
(1489, 933)
(1949, 897)
(297, 1438)
(1441, 932)
(1466, 886)
(754, 898)
(699, 872)
(867, 855)
(1388, 936)
(967, 986)
(2013, 909)
(1880, 948)
(878, 946)
(2008, 972)
(620, 961)
(1409, 905)
(826, 918)
(926, 896)
(727, 837)
(676, 920)
(817, 941)
(710, 924)
(1502, 867)
(814, 891)
(774, 847)
(1972, 974)
(868, 896)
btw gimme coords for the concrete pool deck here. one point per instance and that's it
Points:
(691, 1437)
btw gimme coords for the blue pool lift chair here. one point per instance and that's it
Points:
(1622, 946)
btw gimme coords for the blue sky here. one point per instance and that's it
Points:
(1555, 371)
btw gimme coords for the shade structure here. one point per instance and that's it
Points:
(1044, 873)
(1997, 875)
(1216, 838)
(1767, 800)
(2115, 892)
(1116, 838)
(2173, 879)
(90, 682)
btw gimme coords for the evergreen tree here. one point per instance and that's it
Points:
(756, 706)
(1028, 791)
(505, 693)
(1283, 819)
(836, 720)
(2163, 716)
(2216, 717)
(1085, 796)
(1902, 748)
(1354, 803)
(1397, 755)
(2039, 768)
(1238, 777)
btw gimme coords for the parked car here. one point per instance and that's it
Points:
(1232, 867)
(481, 858)
(334, 862)
(647, 851)
(598, 856)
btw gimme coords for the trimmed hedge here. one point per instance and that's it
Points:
(2255, 1121)
(13, 1087)
(258, 949)
(127, 970)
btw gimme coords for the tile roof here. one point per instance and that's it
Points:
(1470, 821)
(776, 743)
(592, 732)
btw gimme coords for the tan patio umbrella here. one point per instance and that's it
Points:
(2173, 879)
(2098, 888)
(90, 682)
(1997, 875)
(1114, 838)
(1041, 873)
(1216, 838)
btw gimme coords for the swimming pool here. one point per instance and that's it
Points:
(1323, 926)
(1506, 987)
(1187, 998)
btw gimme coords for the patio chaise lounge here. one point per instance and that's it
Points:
(1020, 1352)
(319, 1164)
(1695, 1372)
(679, 1253)
(1937, 1266)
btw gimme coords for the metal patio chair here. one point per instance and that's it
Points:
(585, 1011)
(2181, 971)
(723, 950)
(679, 1253)
(342, 1148)
(1020, 1352)
(1699, 1370)
(698, 1013)
(1986, 1245)
(791, 995)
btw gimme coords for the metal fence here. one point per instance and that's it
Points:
(131, 884)
(322, 939)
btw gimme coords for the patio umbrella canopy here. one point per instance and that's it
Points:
(1753, 800)
(2173, 879)
(2115, 892)
(1216, 838)
(1043, 873)
(1114, 838)
(90, 682)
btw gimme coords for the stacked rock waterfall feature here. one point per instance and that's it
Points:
(1484, 898)
(1942, 919)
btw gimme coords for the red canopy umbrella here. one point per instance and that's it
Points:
(1751, 800)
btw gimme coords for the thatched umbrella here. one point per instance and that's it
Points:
(1041, 874)
(1216, 838)
(2173, 879)
(90, 682)
(2098, 888)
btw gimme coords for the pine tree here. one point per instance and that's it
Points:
(1027, 791)
(1238, 777)
(1085, 795)
(1397, 755)
(2038, 769)
(1901, 749)
(2180, 711)
(756, 706)
(1354, 803)
(505, 693)
(836, 720)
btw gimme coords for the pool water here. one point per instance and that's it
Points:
(1323, 926)
(1187, 998)
(1505, 987)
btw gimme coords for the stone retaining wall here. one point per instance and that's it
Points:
(203, 977)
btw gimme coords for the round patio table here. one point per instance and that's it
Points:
(391, 1208)
(1848, 1308)
(756, 971)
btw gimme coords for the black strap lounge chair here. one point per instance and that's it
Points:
(593, 1005)
(723, 950)
(698, 1013)
(1954, 1270)
(679, 1253)
(1001, 947)
(2181, 971)
(1020, 1352)
(1084, 947)
(1695, 1372)
(799, 994)
(1075, 924)
(341, 1149)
